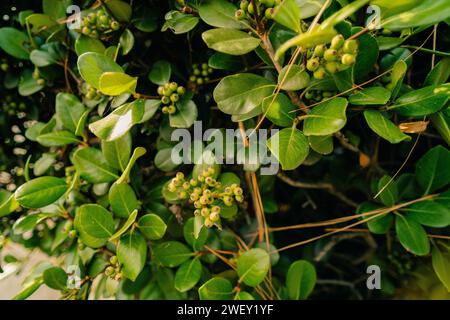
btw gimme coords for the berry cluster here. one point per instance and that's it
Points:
(97, 24)
(317, 95)
(263, 8)
(37, 76)
(90, 92)
(113, 270)
(11, 107)
(200, 74)
(206, 194)
(339, 56)
(170, 94)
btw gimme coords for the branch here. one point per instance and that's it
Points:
(318, 185)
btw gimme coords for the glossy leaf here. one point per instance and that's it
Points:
(152, 226)
(188, 275)
(384, 127)
(230, 41)
(412, 236)
(252, 266)
(370, 96)
(117, 83)
(431, 169)
(171, 253)
(92, 166)
(92, 65)
(132, 254)
(122, 199)
(300, 280)
(219, 13)
(216, 288)
(429, 213)
(292, 78)
(40, 192)
(290, 147)
(327, 118)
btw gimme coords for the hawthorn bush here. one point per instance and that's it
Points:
(356, 98)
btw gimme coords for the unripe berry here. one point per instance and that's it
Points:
(330, 55)
(192, 78)
(104, 19)
(238, 191)
(194, 197)
(250, 8)
(269, 13)
(196, 72)
(181, 90)
(115, 25)
(179, 176)
(348, 59)
(228, 201)
(72, 234)
(91, 17)
(172, 109)
(320, 73)
(86, 31)
(215, 209)
(4, 67)
(113, 260)
(40, 82)
(239, 198)
(182, 194)
(309, 95)
(337, 42)
(36, 74)
(332, 67)
(200, 81)
(109, 271)
(350, 46)
(160, 90)
(312, 64)
(94, 34)
(193, 182)
(208, 223)
(174, 97)
(165, 100)
(205, 212)
(173, 86)
(244, 5)
(319, 51)
(165, 110)
(214, 217)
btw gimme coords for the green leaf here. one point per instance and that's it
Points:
(412, 236)
(342, 14)
(427, 13)
(13, 42)
(68, 110)
(379, 225)
(300, 280)
(160, 72)
(171, 253)
(370, 96)
(92, 166)
(397, 76)
(230, 41)
(384, 127)
(117, 153)
(117, 83)
(126, 41)
(290, 147)
(428, 213)
(40, 192)
(216, 288)
(321, 144)
(440, 73)
(442, 124)
(288, 14)
(28, 85)
(8, 203)
(92, 65)
(219, 13)
(432, 169)
(441, 265)
(179, 22)
(123, 200)
(152, 226)
(120, 10)
(29, 222)
(57, 138)
(150, 108)
(189, 231)
(55, 278)
(188, 275)
(423, 101)
(296, 79)
(368, 56)
(252, 266)
(163, 160)
(94, 224)
(119, 122)
(185, 116)
(327, 118)
(132, 254)
(85, 44)
(389, 195)
(47, 54)
(224, 61)
(55, 9)
(28, 289)
(241, 93)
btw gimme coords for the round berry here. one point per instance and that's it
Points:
(165, 100)
(109, 271)
(337, 42)
(174, 97)
(208, 223)
(165, 110)
(332, 67)
(312, 64)
(269, 13)
(244, 5)
(350, 46)
(348, 59)
(319, 51)
(330, 55)
(113, 260)
(160, 90)
(214, 217)
(4, 67)
(205, 212)
(173, 86)
(86, 31)
(115, 25)
(172, 109)
(40, 82)
(181, 90)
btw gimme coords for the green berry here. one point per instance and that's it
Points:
(205, 212)
(91, 17)
(193, 182)
(36, 74)
(269, 13)
(330, 55)
(238, 191)
(165, 100)
(179, 176)
(103, 19)
(172, 109)
(165, 110)
(113, 260)
(86, 31)
(243, 5)
(250, 8)
(173, 86)
(228, 201)
(72, 234)
(160, 90)
(192, 78)
(348, 59)
(40, 82)
(208, 223)
(94, 34)
(214, 217)
(186, 185)
(332, 67)
(199, 81)
(109, 271)
(4, 67)
(312, 64)
(174, 97)
(239, 198)
(319, 51)
(350, 46)
(337, 42)
(182, 194)
(196, 72)
(181, 90)
(115, 25)
(239, 14)
(309, 95)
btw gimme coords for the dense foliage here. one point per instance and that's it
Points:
(91, 101)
